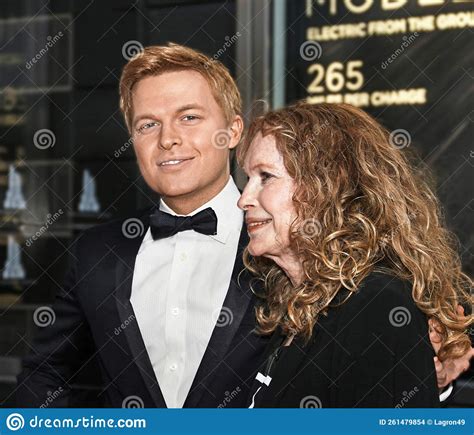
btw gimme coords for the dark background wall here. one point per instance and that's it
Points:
(71, 91)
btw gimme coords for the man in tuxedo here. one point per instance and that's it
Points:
(160, 301)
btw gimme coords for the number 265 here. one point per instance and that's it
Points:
(336, 77)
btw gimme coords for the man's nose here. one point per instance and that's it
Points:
(169, 137)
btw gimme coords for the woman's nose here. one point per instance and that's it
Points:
(247, 199)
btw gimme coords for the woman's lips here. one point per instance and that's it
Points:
(256, 225)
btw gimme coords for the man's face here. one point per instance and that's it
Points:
(181, 138)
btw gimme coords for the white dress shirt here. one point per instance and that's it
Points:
(179, 286)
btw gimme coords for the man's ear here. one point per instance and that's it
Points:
(236, 128)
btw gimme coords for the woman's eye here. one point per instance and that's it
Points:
(265, 176)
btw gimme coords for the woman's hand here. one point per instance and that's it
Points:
(450, 369)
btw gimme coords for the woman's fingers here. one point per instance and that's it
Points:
(450, 369)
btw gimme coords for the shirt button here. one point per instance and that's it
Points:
(175, 311)
(173, 367)
(183, 256)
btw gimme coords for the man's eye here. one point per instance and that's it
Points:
(190, 117)
(148, 127)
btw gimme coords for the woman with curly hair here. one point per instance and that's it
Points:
(348, 240)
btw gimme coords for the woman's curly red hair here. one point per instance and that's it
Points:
(360, 205)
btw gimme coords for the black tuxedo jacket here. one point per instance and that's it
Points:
(372, 351)
(95, 322)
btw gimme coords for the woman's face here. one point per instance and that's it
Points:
(267, 199)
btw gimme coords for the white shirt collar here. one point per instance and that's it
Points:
(229, 216)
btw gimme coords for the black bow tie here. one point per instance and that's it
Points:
(163, 224)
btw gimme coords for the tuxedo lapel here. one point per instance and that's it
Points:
(238, 301)
(126, 251)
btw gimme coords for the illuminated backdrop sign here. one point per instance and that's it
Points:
(407, 62)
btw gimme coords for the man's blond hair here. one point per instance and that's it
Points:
(157, 59)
